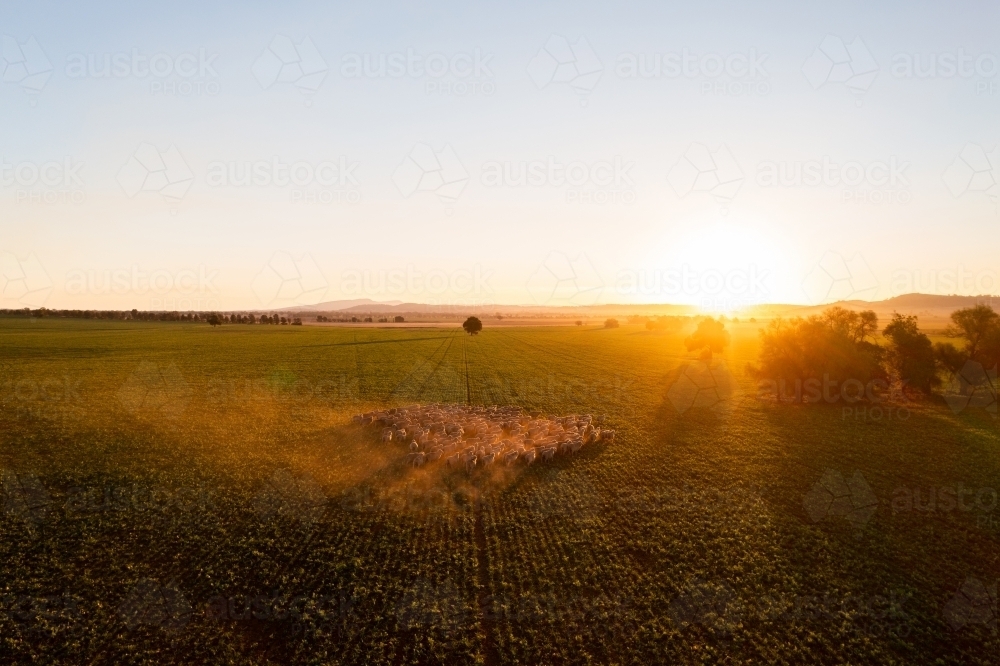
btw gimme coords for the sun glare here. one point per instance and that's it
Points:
(721, 267)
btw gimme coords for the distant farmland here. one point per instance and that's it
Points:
(180, 493)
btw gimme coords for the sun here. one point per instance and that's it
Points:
(722, 267)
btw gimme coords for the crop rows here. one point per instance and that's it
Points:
(174, 493)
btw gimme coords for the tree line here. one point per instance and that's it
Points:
(840, 346)
(212, 318)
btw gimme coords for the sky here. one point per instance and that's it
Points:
(209, 156)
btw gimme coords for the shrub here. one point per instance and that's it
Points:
(611, 323)
(824, 350)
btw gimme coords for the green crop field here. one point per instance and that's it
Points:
(176, 493)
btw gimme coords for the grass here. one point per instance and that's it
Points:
(176, 493)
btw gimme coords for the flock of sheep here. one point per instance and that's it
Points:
(481, 436)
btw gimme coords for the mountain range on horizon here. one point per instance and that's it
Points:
(904, 303)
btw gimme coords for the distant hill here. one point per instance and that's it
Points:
(929, 307)
(366, 306)
(924, 306)
(337, 306)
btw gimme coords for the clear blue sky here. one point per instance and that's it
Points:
(661, 166)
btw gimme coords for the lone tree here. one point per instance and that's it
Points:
(472, 325)
(611, 323)
(710, 336)
(214, 320)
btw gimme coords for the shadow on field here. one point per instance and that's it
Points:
(861, 490)
(695, 407)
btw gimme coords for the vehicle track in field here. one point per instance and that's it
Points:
(484, 599)
(357, 365)
(423, 363)
(465, 357)
(451, 340)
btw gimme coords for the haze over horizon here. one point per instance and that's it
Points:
(187, 157)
